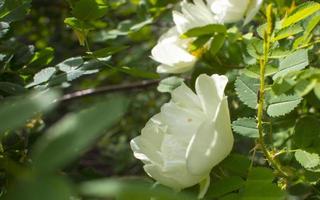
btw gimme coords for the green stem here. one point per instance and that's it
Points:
(263, 146)
(261, 102)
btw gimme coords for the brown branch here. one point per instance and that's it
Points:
(109, 89)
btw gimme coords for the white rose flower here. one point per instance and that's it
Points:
(230, 11)
(192, 134)
(172, 52)
(193, 15)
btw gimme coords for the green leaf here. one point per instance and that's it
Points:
(247, 90)
(317, 90)
(232, 196)
(240, 169)
(246, 127)
(296, 61)
(199, 43)
(70, 64)
(283, 104)
(279, 53)
(77, 24)
(205, 30)
(75, 67)
(311, 25)
(128, 190)
(287, 32)
(224, 186)
(52, 188)
(169, 84)
(301, 12)
(259, 186)
(16, 13)
(75, 133)
(217, 43)
(42, 76)
(12, 88)
(89, 9)
(42, 58)
(306, 159)
(304, 86)
(15, 113)
(255, 48)
(283, 85)
(306, 133)
(254, 71)
(4, 28)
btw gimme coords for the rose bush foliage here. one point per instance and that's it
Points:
(235, 114)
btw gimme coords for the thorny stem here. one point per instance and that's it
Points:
(261, 100)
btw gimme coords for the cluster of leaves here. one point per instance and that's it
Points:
(89, 43)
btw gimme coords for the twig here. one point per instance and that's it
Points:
(109, 89)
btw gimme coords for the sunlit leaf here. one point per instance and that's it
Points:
(247, 90)
(246, 127)
(306, 159)
(298, 60)
(301, 12)
(283, 104)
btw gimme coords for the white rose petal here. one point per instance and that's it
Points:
(230, 11)
(192, 134)
(193, 15)
(171, 52)
(253, 9)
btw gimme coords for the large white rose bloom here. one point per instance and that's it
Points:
(193, 15)
(172, 52)
(230, 11)
(192, 134)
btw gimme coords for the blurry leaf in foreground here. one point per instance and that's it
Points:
(12, 88)
(40, 188)
(129, 190)
(15, 113)
(72, 135)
